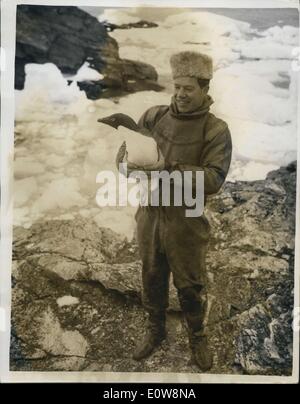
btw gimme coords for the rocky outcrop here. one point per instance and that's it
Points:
(68, 37)
(76, 297)
(251, 267)
(139, 24)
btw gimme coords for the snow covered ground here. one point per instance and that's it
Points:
(61, 147)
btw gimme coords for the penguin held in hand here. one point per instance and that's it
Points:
(141, 149)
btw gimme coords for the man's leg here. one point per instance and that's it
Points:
(155, 301)
(155, 277)
(186, 247)
(193, 302)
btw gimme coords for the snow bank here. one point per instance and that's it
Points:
(286, 35)
(46, 95)
(209, 24)
(120, 220)
(276, 43)
(23, 190)
(27, 167)
(248, 96)
(261, 48)
(250, 170)
(118, 16)
(64, 148)
(199, 31)
(86, 73)
(62, 193)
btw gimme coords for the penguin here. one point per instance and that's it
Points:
(141, 149)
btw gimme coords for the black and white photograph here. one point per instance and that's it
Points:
(148, 191)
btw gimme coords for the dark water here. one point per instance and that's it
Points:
(259, 18)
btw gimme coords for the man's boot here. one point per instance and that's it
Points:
(201, 354)
(155, 334)
(193, 304)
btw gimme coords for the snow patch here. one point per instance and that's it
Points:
(24, 189)
(67, 301)
(118, 16)
(62, 193)
(86, 73)
(27, 167)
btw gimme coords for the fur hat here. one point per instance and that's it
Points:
(192, 64)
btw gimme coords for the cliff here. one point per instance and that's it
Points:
(68, 37)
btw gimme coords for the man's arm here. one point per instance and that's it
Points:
(216, 158)
(149, 118)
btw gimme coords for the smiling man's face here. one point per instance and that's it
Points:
(188, 94)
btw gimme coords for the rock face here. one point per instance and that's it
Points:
(68, 37)
(251, 265)
(76, 290)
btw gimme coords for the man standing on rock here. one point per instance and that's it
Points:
(190, 139)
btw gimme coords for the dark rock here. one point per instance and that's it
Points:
(139, 24)
(76, 297)
(68, 37)
(136, 76)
